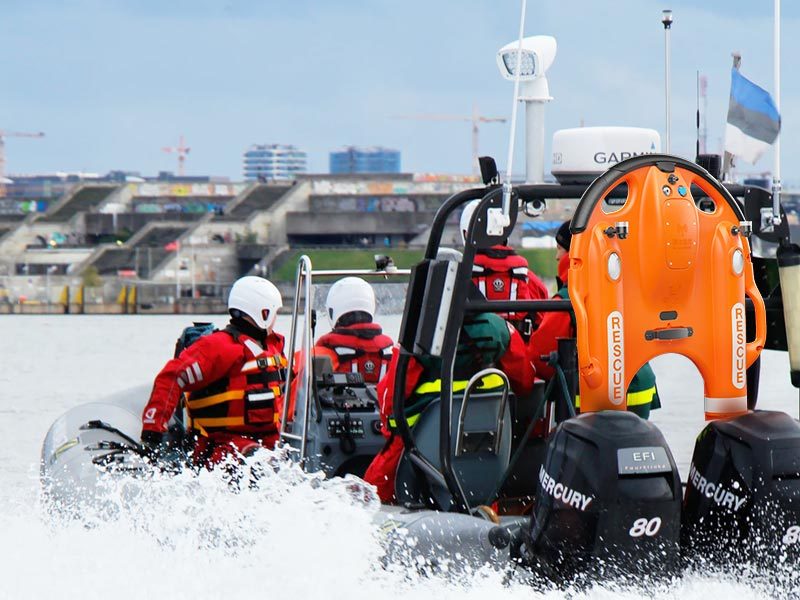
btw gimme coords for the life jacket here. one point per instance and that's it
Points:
(245, 400)
(428, 391)
(360, 348)
(501, 274)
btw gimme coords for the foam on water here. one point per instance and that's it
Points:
(293, 534)
(190, 536)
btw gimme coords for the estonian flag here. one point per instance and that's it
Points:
(753, 119)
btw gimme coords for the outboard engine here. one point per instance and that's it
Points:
(79, 444)
(608, 500)
(743, 495)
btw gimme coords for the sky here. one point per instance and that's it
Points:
(112, 82)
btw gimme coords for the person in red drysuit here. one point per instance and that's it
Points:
(502, 274)
(642, 396)
(503, 346)
(232, 381)
(356, 344)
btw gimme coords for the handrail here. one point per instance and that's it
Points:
(303, 268)
(354, 272)
(462, 413)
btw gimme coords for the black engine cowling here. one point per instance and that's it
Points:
(608, 500)
(742, 498)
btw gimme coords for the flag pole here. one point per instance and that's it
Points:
(776, 170)
(177, 274)
(666, 20)
(697, 152)
(727, 157)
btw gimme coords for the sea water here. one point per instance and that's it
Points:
(293, 536)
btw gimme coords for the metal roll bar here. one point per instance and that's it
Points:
(463, 305)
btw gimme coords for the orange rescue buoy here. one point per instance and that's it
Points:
(662, 273)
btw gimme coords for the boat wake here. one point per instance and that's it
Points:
(288, 532)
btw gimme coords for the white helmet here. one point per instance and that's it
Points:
(256, 297)
(348, 295)
(466, 216)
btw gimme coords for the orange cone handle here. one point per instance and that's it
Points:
(663, 273)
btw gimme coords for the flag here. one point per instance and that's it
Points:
(753, 119)
(172, 246)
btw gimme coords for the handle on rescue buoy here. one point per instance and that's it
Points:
(753, 349)
(590, 372)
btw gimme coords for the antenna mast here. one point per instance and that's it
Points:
(703, 114)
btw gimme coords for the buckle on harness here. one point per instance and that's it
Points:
(526, 327)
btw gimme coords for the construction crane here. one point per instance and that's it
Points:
(3, 135)
(476, 119)
(181, 150)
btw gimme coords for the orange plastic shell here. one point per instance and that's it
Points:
(678, 271)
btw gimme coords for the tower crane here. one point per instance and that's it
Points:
(181, 150)
(476, 119)
(3, 135)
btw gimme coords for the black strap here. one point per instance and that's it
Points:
(496, 252)
(363, 334)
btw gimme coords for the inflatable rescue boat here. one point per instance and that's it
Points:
(661, 262)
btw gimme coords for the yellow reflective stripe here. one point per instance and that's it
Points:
(277, 360)
(218, 422)
(201, 423)
(412, 420)
(193, 426)
(640, 398)
(488, 382)
(215, 399)
(634, 398)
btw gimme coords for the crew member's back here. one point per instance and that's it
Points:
(502, 274)
(355, 344)
(485, 340)
(231, 380)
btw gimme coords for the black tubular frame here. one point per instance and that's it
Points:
(463, 304)
(664, 162)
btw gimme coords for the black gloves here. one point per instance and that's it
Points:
(158, 447)
(154, 441)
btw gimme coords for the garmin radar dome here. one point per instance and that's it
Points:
(582, 153)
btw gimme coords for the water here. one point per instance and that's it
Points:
(191, 538)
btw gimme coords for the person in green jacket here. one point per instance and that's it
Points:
(642, 391)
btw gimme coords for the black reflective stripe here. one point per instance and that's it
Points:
(499, 253)
(266, 377)
(488, 272)
(361, 333)
(212, 389)
(210, 412)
